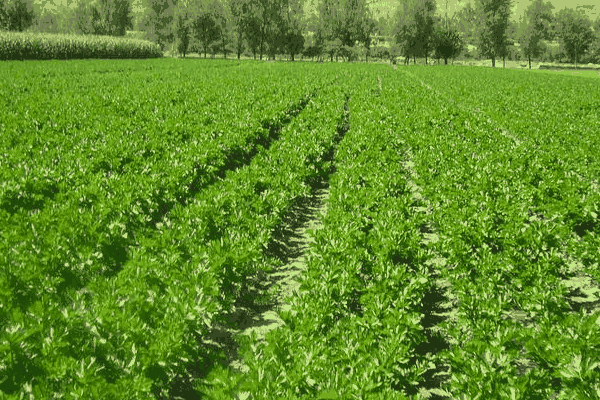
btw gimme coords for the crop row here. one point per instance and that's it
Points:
(137, 333)
(556, 117)
(76, 204)
(45, 46)
(355, 331)
(553, 121)
(500, 233)
(509, 220)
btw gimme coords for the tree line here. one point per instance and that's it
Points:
(335, 28)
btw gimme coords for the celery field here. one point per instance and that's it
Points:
(143, 202)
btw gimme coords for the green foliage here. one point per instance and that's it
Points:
(88, 19)
(139, 249)
(574, 29)
(183, 34)
(236, 8)
(465, 21)
(534, 27)
(312, 51)
(440, 158)
(206, 29)
(448, 214)
(54, 21)
(294, 43)
(38, 46)
(104, 17)
(447, 44)
(348, 21)
(158, 21)
(491, 31)
(253, 31)
(415, 30)
(16, 15)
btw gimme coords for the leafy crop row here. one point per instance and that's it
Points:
(511, 223)
(76, 194)
(554, 120)
(135, 332)
(187, 230)
(510, 213)
(356, 329)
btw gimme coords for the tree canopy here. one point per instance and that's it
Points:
(491, 32)
(415, 30)
(574, 30)
(535, 25)
(16, 15)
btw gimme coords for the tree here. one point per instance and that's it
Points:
(447, 43)
(596, 44)
(88, 19)
(405, 41)
(294, 25)
(183, 34)
(252, 31)
(261, 23)
(425, 27)
(16, 15)
(575, 33)
(415, 27)
(206, 29)
(104, 17)
(238, 25)
(491, 34)
(223, 19)
(535, 25)
(226, 34)
(348, 21)
(274, 28)
(529, 40)
(366, 29)
(54, 19)
(158, 21)
(269, 11)
(464, 20)
(115, 17)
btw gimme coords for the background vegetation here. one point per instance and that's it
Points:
(325, 29)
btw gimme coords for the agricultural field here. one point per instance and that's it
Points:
(218, 229)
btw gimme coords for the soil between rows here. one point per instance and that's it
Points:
(283, 282)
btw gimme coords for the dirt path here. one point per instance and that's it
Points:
(291, 247)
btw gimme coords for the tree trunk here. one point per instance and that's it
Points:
(261, 46)
(445, 61)
(503, 62)
(414, 59)
(493, 62)
(529, 57)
